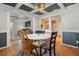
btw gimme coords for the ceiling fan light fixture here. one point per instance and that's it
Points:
(40, 6)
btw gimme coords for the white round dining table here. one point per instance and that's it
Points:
(39, 38)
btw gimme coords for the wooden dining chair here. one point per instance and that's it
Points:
(43, 41)
(28, 31)
(27, 46)
(50, 45)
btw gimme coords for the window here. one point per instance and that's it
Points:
(28, 24)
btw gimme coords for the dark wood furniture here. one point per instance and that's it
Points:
(49, 45)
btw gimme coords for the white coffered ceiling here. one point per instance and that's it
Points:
(28, 9)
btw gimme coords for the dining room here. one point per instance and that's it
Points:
(39, 29)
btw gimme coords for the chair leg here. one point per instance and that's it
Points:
(54, 52)
(29, 53)
(45, 51)
(22, 53)
(50, 52)
(36, 51)
(40, 51)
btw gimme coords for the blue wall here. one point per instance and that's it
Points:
(3, 39)
(71, 38)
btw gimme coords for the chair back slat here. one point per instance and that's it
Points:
(53, 38)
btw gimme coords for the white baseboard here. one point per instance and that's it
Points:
(70, 45)
(5, 47)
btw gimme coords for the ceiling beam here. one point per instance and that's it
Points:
(49, 4)
(17, 11)
(18, 5)
(32, 11)
(56, 12)
(29, 5)
(61, 5)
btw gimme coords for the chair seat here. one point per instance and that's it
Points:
(37, 43)
(46, 46)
